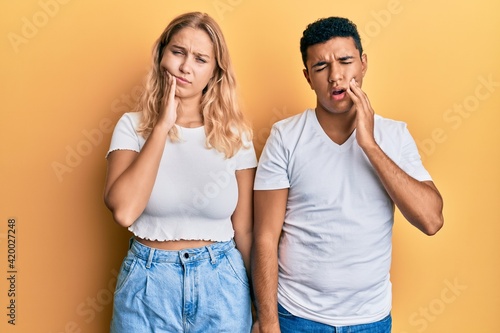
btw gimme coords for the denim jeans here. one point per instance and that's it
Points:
(193, 290)
(292, 324)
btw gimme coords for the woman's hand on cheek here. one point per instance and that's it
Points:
(168, 112)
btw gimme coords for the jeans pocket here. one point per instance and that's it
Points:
(128, 265)
(237, 265)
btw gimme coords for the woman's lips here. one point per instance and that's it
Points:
(182, 80)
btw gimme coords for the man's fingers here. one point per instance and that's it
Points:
(358, 96)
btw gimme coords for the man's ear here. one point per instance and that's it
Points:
(306, 75)
(364, 64)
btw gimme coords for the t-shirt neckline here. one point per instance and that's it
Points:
(322, 134)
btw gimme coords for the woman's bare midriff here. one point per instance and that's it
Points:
(174, 245)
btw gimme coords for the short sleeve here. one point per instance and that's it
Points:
(125, 136)
(246, 158)
(272, 171)
(410, 161)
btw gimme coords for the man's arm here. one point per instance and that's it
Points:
(269, 216)
(419, 202)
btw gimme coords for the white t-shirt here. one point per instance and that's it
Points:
(195, 191)
(335, 248)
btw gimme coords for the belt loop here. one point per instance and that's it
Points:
(130, 242)
(212, 256)
(150, 258)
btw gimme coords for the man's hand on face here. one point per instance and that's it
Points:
(364, 115)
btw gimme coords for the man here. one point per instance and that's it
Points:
(325, 190)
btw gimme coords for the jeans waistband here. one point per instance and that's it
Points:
(183, 256)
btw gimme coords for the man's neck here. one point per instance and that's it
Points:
(338, 126)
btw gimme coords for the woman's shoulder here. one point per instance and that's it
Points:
(129, 121)
(134, 117)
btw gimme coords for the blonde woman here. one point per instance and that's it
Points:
(180, 177)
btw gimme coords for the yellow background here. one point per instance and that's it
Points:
(70, 68)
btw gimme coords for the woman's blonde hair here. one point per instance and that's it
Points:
(225, 125)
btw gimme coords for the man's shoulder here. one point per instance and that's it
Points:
(388, 121)
(385, 125)
(293, 122)
(389, 131)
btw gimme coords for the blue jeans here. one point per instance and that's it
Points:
(292, 324)
(200, 290)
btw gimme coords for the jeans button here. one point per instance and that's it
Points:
(186, 255)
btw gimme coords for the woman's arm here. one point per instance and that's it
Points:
(131, 175)
(242, 217)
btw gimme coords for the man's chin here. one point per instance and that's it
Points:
(338, 111)
(337, 108)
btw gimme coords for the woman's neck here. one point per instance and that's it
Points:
(189, 112)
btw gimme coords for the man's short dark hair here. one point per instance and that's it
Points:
(325, 29)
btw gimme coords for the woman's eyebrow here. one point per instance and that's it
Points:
(198, 54)
(203, 55)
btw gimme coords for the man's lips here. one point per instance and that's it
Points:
(338, 94)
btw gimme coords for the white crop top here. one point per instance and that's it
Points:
(195, 191)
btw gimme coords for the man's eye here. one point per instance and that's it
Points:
(320, 69)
